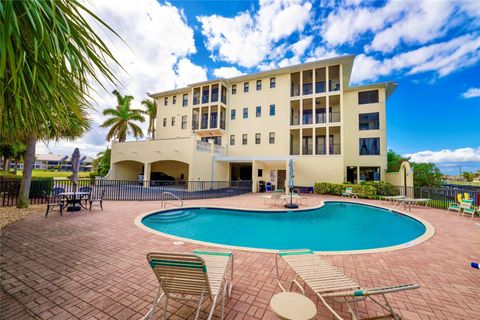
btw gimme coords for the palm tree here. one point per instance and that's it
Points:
(50, 60)
(121, 122)
(151, 106)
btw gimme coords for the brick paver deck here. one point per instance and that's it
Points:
(91, 265)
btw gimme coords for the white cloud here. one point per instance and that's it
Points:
(320, 53)
(442, 58)
(248, 39)
(160, 42)
(447, 155)
(424, 21)
(227, 72)
(345, 25)
(299, 47)
(471, 93)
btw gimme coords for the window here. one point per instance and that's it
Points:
(258, 111)
(185, 100)
(173, 121)
(245, 113)
(164, 122)
(234, 88)
(174, 99)
(165, 101)
(260, 173)
(257, 138)
(272, 83)
(245, 87)
(244, 138)
(365, 97)
(272, 109)
(232, 140)
(368, 121)
(259, 85)
(184, 122)
(232, 114)
(271, 137)
(369, 146)
(369, 173)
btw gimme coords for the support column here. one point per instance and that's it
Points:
(327, 84)
(147, 168)
(254, 176)
(327, 138)
(314, 140)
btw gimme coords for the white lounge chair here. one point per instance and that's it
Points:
(191, 277)
(274, 197)
(349, 193)
(327, 282)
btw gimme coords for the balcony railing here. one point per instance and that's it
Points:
(307, 119)
(204, 124)
(334, 85)
(334, 148)
(295, 90)
(205, 99)
(222, 124)
(320, 87)
(196, 100)
(307, 88)
(213, 123)
(321, 117)
(218, 149)
(295, 121)
(203, 146)
(294, 150)
(334, 117)
(214, 97)
(194, 125)
(224, 99)
(320, 149)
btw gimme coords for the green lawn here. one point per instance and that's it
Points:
(53, 174)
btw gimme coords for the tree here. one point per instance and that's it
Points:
(394, 161)
(102, 162)
(122, 119)
(468, 176)
(151, 106)
(7, 151)
(50, 59)
(426, 175)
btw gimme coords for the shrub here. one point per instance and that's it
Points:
(382, 188)
(11, 185)
(363, 191)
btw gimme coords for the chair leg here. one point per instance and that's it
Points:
(91, 205)
(101, 204)
(214, 302)
(197, 313)
(150, 313)
(48, 209)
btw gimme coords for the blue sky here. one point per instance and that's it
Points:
(430, 48)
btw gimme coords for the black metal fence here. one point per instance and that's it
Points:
(128, 190)
(440, 197)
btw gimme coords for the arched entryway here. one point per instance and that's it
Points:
(178, 170)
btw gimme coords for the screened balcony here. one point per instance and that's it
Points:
(334, 78)
(307, 116)
(320, 110)
(295, 113)
(295, 84)
(320, 80)
(307, 86)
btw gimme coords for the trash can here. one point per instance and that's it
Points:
(261, 186)
(268, 187)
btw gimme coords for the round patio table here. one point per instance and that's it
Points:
(293, 306)
(74, 198)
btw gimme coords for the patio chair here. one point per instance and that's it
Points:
(53, 201)
(453, 206)
(274, 197)
(57, 191)
(465, 205)
(327, 282)
(99, 199)
(348, 192)
(86, 199)
(191, 277)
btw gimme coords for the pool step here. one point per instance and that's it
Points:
(174, 216)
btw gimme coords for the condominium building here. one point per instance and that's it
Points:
(249, 127)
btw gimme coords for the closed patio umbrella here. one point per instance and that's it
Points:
(75, 162)
(291, 205)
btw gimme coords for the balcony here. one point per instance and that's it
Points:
(320, 87)
(204, 146)
(320, 117)
(334, 148)
(334, 117)
(307, 88)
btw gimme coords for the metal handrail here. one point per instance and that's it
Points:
(163, 202)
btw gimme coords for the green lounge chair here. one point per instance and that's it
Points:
(349, 193)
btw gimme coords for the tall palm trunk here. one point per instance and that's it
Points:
(24, 194)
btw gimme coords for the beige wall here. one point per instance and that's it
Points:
(172, 168)
(397, 178)
(127, 170)
(174, 143)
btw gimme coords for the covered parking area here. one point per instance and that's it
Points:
(269, 169)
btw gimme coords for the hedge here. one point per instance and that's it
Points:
(382, 188)
(362, 191)
(11, 184)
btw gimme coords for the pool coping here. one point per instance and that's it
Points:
(429, 229)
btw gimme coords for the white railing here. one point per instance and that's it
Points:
(203, 146)
(164, 201)
(217, 149)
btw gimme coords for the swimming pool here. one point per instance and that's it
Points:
(336, 226)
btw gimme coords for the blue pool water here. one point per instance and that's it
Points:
(336, 226)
